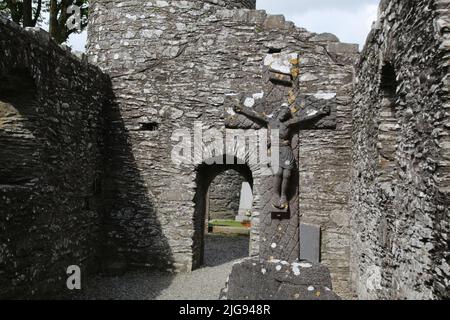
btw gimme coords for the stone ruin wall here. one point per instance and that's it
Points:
(233, 4)
(153, 57)
(53, 120)
(401, 175)
(224, 196)
(51, 133)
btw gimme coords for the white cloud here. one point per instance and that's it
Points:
(77, 41)
(306, 5)
(350, 20)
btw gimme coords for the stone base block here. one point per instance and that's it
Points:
(254, 279)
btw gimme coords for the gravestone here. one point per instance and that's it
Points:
(309, 243)
(278, 272)
(245, 202)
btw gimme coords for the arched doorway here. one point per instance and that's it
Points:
(206, 175)
(19, 122)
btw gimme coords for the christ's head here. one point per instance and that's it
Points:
(284, 113)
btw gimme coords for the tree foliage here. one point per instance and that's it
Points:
(24, 12)
(29, 12)
(59, 17)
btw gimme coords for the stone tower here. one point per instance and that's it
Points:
(172, 65)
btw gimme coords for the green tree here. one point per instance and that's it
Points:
(24, 12)
(59, 16)
(29, 12)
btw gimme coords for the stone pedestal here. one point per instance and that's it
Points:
(252, 279)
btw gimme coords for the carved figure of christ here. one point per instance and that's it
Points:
(287, 125)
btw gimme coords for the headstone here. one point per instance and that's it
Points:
(310, 243)
(246, 202)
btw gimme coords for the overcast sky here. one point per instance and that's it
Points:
(350, 20)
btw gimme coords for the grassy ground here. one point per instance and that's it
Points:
(225, 223)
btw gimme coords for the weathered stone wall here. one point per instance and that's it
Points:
(224, 195)
(51, 105)
(401, 176)
(172, 64)
(233, 4)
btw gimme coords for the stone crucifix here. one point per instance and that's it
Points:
(279, 268)
(277, 103)
(287, 125)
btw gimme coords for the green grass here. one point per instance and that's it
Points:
(225, 223)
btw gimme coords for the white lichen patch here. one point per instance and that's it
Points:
(273, 245)
(263, 271)
(307, 77)
(280, 63)
(311, 288)
(272, 260)
(278, 267)
(258, 96)
(305, 265)
(311, 113)
(231, 112)
(269, 59)
(249, 102)
(162, 4)
(281, 67)
(325, 95)
(296, 269)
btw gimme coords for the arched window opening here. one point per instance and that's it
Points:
(388, 126)
(388, 84)
(388, 132)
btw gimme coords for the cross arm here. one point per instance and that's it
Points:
(312, 115)
(251, 114)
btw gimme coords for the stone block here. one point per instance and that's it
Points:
(343, 48)
(310, 242)
(274, 22)
(252, 279)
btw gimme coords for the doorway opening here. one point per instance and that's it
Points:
(222, 220)
(18, 124)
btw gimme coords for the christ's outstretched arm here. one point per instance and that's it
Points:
(251, 114)
(308, 117)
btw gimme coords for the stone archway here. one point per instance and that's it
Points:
(205, 174)
(19, 121)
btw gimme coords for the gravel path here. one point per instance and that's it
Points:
(202, 284)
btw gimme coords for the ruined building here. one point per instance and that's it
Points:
(87, 176)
